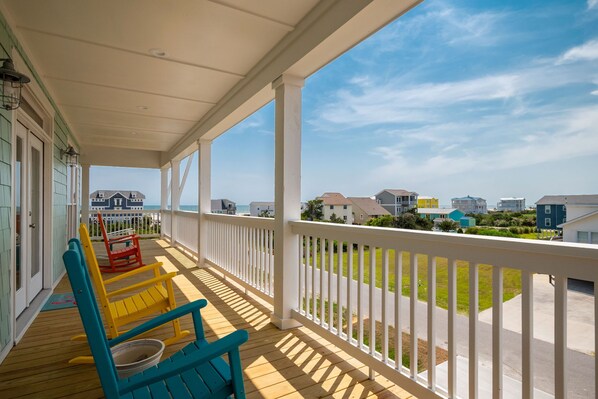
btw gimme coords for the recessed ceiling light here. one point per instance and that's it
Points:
(157, 52)
(142, 107)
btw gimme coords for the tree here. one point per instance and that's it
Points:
(264, 214)
(314, 210)
(448, 225)
(413, 221)
(336, 219)
(406, 220)
(381, 221)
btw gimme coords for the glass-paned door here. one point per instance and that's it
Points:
(29, 217)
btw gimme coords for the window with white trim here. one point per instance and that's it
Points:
(547, 209)
(583, 237)
(547, 222)
(587, 237)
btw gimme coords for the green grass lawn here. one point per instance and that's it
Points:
(511, 278)
(528, 236)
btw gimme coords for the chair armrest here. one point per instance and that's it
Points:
(133, 272)
(216, 349)
(151, 281)
(157, 321)
(126, 238)
(121, 233)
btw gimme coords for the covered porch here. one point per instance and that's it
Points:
(320, 323)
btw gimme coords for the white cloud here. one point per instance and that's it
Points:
(556, 137)
(592, 4)
(399, 102)
(586, 52)
(442, 22)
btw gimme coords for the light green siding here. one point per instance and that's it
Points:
(59, 194)
(57, 180)
(5, 232)
(5, 215)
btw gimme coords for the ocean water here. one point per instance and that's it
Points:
(241, 209)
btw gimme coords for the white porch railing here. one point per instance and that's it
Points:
(243, 247)
(358, 313)
(329, 301)
(186, 230)
(145, 223)
(166, 223)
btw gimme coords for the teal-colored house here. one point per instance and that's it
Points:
(439, 213)
(467, 221)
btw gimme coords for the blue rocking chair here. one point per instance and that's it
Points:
(196, 371)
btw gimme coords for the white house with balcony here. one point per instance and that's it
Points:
(148, 85)
(469, 204)
(511, 204)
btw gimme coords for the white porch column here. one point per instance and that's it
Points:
(204, 197)
(85, 194)
(163, 196)
(287, 197)
(175, 196)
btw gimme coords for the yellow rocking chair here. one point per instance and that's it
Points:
(151, 296)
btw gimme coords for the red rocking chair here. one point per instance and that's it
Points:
(123, 251)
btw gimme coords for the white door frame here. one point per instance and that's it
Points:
(35, 97)
(30, 286)
(35, 284)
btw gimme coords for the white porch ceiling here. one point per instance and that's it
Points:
(94, 58)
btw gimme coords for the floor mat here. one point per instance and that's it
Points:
(60, 301)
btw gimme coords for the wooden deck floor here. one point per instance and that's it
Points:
(295, 363)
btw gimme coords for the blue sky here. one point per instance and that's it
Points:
(485, 98)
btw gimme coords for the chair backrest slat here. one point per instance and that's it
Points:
(104, 232)
(90, 316)
(93, 266)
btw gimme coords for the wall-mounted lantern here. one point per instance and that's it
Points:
(71, 155)
(12, 82)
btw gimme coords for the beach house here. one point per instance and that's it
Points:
(397, 201)
(338, 205)
(365, 208)
(511, 204)
(580, 213)
(151, 84)
(469, 204)
(424, 201)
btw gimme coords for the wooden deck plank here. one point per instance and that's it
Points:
(292, 363)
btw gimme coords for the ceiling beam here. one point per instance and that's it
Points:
(124, 157)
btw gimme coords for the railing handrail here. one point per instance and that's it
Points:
(185, 213)
(238, 220)
(580, 260)
(123, 211)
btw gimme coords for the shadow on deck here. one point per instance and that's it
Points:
(293, 363)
